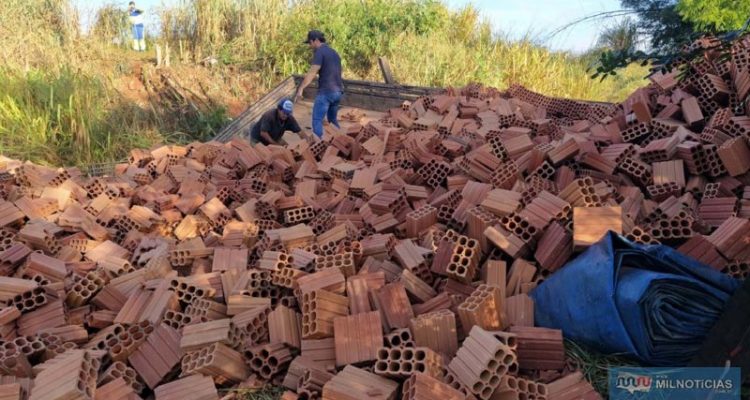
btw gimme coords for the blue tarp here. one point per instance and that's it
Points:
(649, 302)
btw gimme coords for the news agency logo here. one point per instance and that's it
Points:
(633, 382)
(674, 383)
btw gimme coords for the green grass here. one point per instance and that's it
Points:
(62, 118)
(72, 118)
(266, 393)
(58, 104)
(595, 366)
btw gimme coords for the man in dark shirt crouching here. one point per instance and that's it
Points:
(274, 123)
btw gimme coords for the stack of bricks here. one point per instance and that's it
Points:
(404, 362)
(319, 308)
(480, 364)
(435, 330)
(225, 266)
(539, 348)
(72, 374)
(423, 387)
(119, 370)
(484, 308)
(464, 259)
(570, 387)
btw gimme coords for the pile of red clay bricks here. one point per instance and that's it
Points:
(391, 260)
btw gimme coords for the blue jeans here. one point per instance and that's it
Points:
(138, 31)
(326, 104)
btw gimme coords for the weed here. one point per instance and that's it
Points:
(596, 366)
(266, 393)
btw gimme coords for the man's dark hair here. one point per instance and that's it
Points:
(313, 35)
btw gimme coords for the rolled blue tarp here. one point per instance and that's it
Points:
(649, 302)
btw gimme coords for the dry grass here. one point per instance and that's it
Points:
(426, 43)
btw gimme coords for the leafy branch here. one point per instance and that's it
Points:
(612, 60)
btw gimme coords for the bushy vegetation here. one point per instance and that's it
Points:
(669, 26)
(715, 15)
(64, 117)
(58, 104)
(111, 25)
(427, 44)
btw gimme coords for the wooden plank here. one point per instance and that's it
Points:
(385, 69)
(249, 117)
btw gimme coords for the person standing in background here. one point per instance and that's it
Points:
(136, 20)
(326, 64)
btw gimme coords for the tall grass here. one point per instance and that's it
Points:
(427, 44)
(37, 33)
(59, 105)
(111, 25)
(65, 118)
(212, 27)
(500, 64)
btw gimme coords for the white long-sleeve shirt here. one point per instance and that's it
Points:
(136, 17)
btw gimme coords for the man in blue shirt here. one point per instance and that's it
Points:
(136, 20)
(326, 64)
